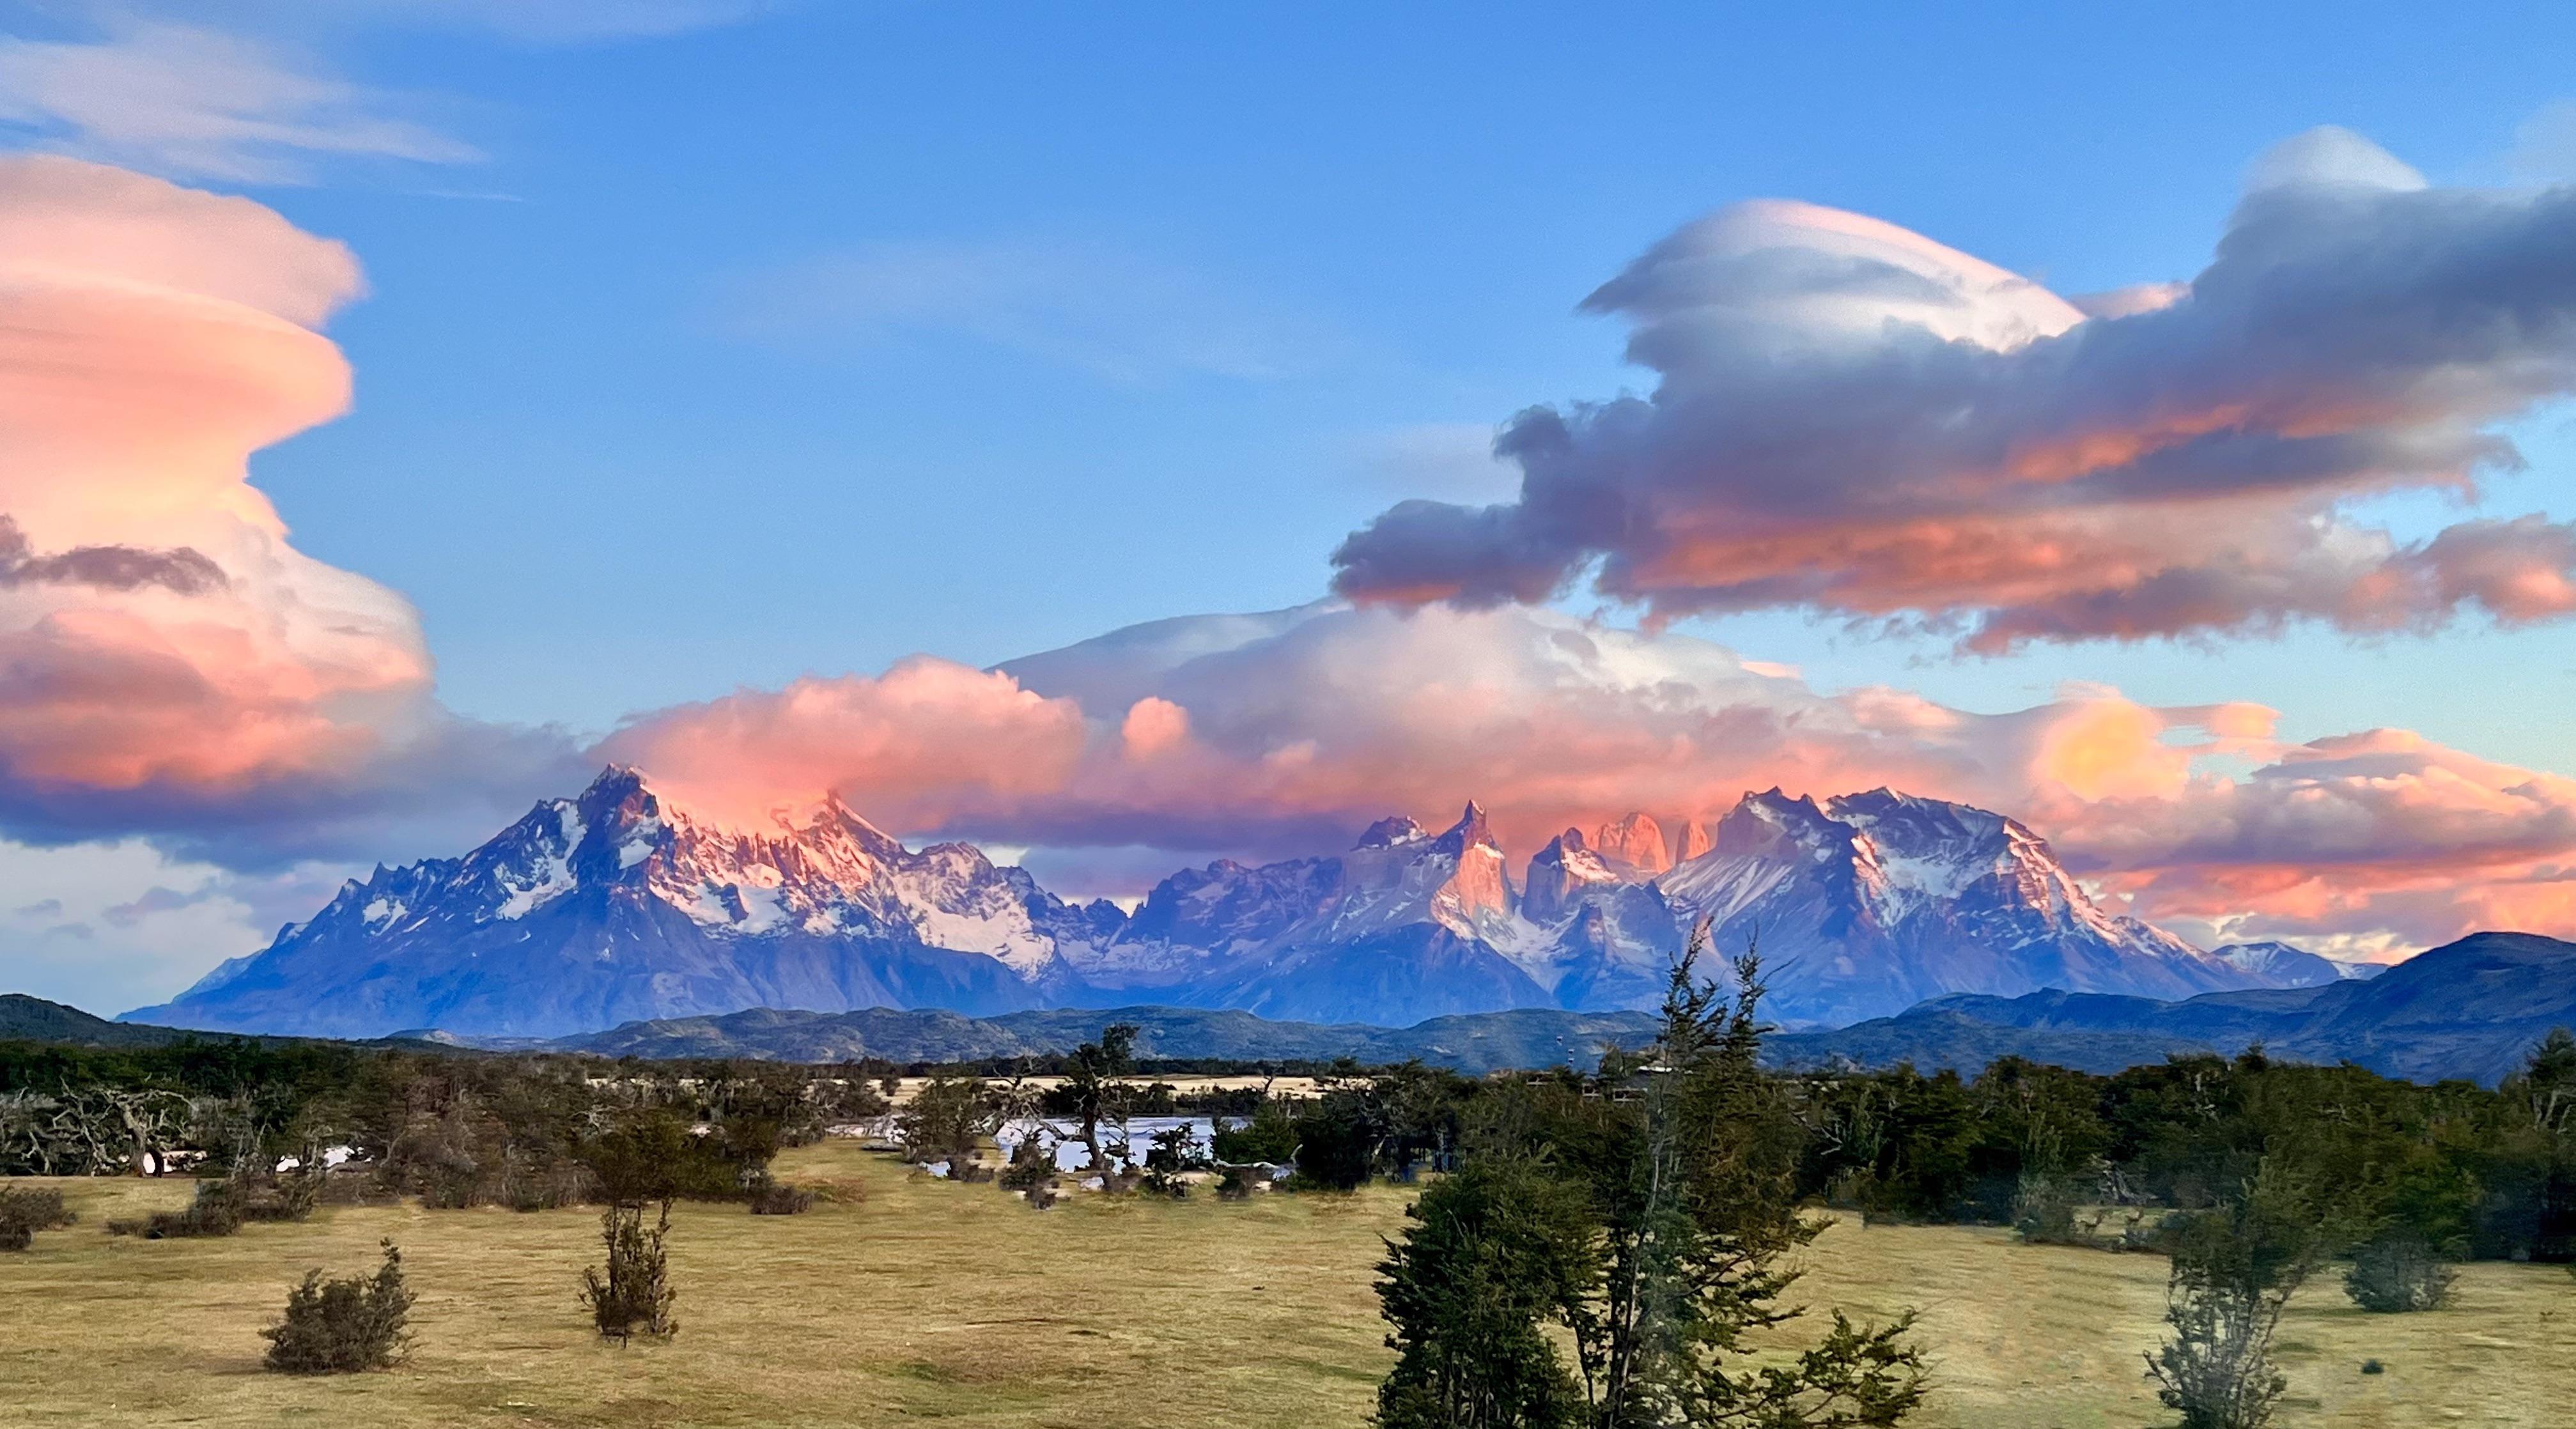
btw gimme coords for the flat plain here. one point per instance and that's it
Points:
(908, 1299)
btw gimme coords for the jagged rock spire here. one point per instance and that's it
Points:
(1635, 841)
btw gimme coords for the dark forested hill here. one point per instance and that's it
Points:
(32, 1019)
(2471, 1009)
(1476, 1042)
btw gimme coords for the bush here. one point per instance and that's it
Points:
(635, 1296)
(777, 1198)
(1173, 1156)
(216, 1211)
(945, 1120)
(654, 1155)
(25, 1212)
(1336, 1145)
(2043, 1212)
(1235, 1183)
(1271, 1136)
(343, 1326)
(222, 1207)
(2397, 1274)
(2234, 1270)
(1032, 1167)
(264, 1196)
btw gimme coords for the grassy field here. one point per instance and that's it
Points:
(917, 1300)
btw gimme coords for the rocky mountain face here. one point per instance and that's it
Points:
(616, 906)
(610, 908)
(1868, 903)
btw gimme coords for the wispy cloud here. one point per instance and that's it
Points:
(563, 21)
(191, 102)
(1104, 311)
(2544, 147)
(1451, 461)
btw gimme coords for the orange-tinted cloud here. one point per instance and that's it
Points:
(1285, 733)
(1852, 419)
(167, 659)
(928, 744)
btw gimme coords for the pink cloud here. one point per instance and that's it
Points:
(167, 659)
(1853, 419)
(928, 744)
(1270, 736)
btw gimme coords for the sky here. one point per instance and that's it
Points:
(477, 391)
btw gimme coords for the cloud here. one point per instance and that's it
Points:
(1454, 460)
(2544, 147)
(222, 717)
(180, 570)
(192, 102)
(121, 921)
(1280, 734)
(551, 21)
(169, 664)
(1855, 420)
(1093, 308)
(932, 742)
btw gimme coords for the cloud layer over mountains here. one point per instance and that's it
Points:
(1850, 417)
(1853, 419)
(1283, 733)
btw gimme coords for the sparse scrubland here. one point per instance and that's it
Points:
(2217, 1243)
(901, 1298)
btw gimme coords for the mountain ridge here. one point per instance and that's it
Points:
(2471, 1009)
(616, 906)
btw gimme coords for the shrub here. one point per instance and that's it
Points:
(216, 1211)
(945, 1120)
(1174, 1154)
(777, 1198)
(1032, 1166)
(1336, 1145)
(343, 1326)
(2234, 1269)
(1235, 1183)
(264, 1196)
(654, 1155)
(223, 1206)
(25, 1212)
(2216, 1368)
(1270, 1136)
(2398, 1274)
(2043, 1212)
(634, 1297)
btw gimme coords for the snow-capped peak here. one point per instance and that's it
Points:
(1470, 832)
(1391, 833)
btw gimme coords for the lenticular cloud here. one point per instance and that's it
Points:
(1853, 419)
(168, 661)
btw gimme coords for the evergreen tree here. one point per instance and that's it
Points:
(1493, 1254)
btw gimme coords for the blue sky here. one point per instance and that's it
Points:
(712, 343)
(1244, 277)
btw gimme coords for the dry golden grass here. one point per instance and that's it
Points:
(932, 1301)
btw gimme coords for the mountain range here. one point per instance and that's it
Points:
(2473, 1009)
(617, 906)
